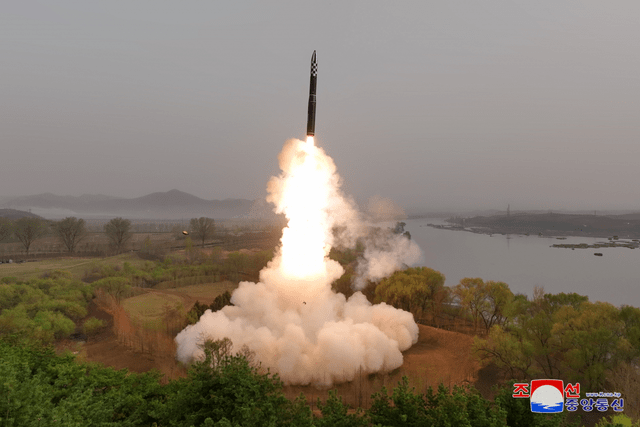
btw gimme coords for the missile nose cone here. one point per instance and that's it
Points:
(314, 64)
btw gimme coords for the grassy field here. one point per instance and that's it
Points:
(150, 308)
(77, 266)
(207, 291)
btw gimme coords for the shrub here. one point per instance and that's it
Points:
(92, 326)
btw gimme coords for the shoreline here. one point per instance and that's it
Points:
(629, 241)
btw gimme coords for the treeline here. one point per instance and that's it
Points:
(71, 231)
(566, 336)
(40, 388)
(198, 309)
(548, 336)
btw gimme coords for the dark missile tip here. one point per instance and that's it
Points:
(313, 57)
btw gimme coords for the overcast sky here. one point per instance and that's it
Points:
(434, 104)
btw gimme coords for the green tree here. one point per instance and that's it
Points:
(70, 231)
(563, 336)
(6, 228)
(630, 317)
(419, 290)
(459, 407)
(203, 228)
(590, 342)
(39, 388)
(525, 348)
(470, 294)
(618, 420)
(221, 301)
(226, 387)
(55, 323)
(487, 302)
(334, 414)
(402, 408)
(92, 326)
(117, 287)
(27, 230)
(118, 231)
(497, 303)
(518, 411)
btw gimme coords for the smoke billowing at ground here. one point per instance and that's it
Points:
(291, 318)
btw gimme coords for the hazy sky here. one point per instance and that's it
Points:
(434, 104)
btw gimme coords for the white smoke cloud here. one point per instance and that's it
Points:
(384, 209)
(292, 320)
(380, 261)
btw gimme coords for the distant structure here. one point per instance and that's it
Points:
(508, 210)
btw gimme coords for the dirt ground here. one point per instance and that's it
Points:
(105, 348)
(439, 356)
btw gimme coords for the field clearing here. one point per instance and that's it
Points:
(207, 291)
(150, 308)
(77, 266)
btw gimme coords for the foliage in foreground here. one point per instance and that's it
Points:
(39, 388)
(42, 310)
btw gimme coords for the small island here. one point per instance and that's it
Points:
(620, 230)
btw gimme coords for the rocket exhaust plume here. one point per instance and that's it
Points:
(292, 319)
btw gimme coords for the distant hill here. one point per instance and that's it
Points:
(173, 204)
(14, 214)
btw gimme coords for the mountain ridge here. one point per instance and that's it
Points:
(172, 204)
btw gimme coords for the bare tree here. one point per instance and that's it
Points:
(202, 228)
(6, 227)
(29, 229)
(118, 231)
(71, 231)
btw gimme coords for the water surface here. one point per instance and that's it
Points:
(524, 262)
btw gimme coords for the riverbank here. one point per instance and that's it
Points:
(550, 225)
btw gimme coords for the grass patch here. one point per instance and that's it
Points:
(186, 282)
(76, 266)
(149, 308)
(208, 290)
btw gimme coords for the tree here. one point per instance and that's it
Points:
(418, 290)
(498, 300)
(117, 287)
(335, 413)
(488, 301)
(202, 228)
(118, 231)
(590, 342)
(471, 294)
(29, 229)
(5, 228)
(71, 231)
(444, 407)
(226, 389)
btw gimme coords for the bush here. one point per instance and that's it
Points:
(92, 326)
(54, 323)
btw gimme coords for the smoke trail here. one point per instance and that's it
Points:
(291, 319)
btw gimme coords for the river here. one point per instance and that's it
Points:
(524, 262)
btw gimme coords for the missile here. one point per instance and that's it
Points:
(311, 115)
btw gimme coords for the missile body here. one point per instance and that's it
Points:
(311, 115)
